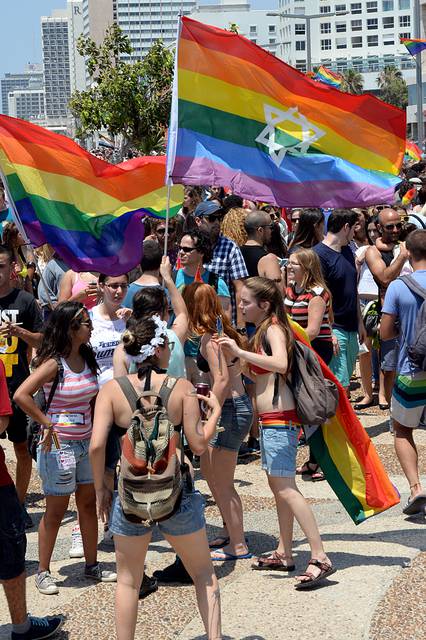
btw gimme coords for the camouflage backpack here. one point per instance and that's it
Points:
(151, 475)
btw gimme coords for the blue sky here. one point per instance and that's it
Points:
(20, 33)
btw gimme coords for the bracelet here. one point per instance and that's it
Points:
(48, 427)
(242, 331)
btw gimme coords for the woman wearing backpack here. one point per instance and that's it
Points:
(224, 373)
(147, 342)
(65, 349)
(261, 303)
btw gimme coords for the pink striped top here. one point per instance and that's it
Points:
(70, 411)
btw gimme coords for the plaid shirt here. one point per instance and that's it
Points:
(228, 263)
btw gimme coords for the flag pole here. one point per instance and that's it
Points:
(419, 79)
(166, 233)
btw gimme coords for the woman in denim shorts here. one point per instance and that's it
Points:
(65, 357)
(147, 342)
(218, 463)
(269, 361)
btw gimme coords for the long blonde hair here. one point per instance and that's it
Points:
(312, 274)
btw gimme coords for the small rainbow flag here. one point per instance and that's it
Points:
(413, 45)
(409, 196)
(328, 77)
(88, 210)
(243, 118)
(348, 458)
(412, 151)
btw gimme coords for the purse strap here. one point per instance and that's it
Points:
(59, 375)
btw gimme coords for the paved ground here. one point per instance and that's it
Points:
(378, 592)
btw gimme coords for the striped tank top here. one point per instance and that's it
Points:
(297, 304)
(70, 411)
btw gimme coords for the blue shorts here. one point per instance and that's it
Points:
(236, 419)
(278, 447)
(389, 353)
(189, 518)
(343, 364)
(62, 470)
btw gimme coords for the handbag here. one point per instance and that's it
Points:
(34, 428)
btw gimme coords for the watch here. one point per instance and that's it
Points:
(242, 331)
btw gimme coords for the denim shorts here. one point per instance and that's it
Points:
(13, 541)
(389, 353)
(62, 470)
(278, 447)
(189, 518)
(236, 419)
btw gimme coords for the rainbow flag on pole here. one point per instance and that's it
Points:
(412, 151)
(348, 458)
(242, 117)
(413, 45)
(328, 77)
(88, 210)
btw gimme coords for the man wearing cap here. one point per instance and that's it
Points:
(227, 261)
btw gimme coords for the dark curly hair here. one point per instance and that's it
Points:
(202, 243)
(57, 341)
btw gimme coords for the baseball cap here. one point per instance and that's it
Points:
(206, 209)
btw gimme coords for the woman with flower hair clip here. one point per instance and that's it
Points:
(147, 344)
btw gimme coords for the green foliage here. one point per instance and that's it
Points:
(233, 27)
(393, 88)
(353, 82)
(128, 98)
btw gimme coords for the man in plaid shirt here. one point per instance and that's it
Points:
(227, 262)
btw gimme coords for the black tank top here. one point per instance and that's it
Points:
(252, 253)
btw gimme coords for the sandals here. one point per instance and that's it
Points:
(326, 570)
(274, 562)
(306, 469)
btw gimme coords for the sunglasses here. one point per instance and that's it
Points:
(397, 225)
(117, 285)
(186, 249)
(162, 230)
(214, 217)
(87, 323)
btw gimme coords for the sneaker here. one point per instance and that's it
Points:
(95, 572)
(253, 444)
(40, 628)
(46, 584)
(175, 572)
(27, 518)
(149, 585)
(76, 549)
(108, 538)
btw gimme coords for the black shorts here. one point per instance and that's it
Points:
(17, 427)
(113, 449)
(13, 541)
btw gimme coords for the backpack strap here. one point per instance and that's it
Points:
(129, 391)
(267, 349)
(166, 389)
(213, 280)
(414, 286)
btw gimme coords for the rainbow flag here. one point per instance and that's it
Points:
(242, 117)
(409, 196)
(328, 77)
(348, 458)
(88, 210)
(412, 151)
(413, 45)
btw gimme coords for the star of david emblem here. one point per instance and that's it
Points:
(309, 132)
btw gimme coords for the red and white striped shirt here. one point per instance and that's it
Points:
(297, 304)
(70, 411)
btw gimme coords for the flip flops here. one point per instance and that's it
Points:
(326, 570)
(416, 505)
(220, 541)
(227, 557)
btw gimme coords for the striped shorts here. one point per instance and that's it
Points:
(408, 405)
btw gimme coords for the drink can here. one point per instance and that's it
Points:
(202, 389)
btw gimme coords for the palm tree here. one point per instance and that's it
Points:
(353, 82)
(393, 88)
(387, 76)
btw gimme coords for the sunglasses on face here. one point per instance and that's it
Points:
(214, 217)
(86, 324)
(397, 225)
(117, 285)
(186, 249)
(162, 230)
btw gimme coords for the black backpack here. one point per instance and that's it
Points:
(417, 349)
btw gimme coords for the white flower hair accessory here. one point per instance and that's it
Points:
(148, 350)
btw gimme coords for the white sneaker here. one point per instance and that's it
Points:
(46, 584)
(76, 549)
(96, 573)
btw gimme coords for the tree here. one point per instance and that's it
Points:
(393, 88)
(353, 82)
(131, 99)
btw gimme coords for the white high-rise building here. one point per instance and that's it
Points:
(56, 63)
(75, 30)
(27, 104)
(30, 78)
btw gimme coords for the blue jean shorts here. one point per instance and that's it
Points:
(278, 447)
(62, 470)
(389, 353)
(189, 518)
(236, 419)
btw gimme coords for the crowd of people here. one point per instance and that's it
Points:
(203, 335)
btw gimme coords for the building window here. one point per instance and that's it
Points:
(341, 43)
(325, 45)
(300, 29)
(405, 21)
(356, 42)
(405, 35)
(373, 41)
(340, 8)
(326, 9)
(371, 7)
(272, 40)
(299, 10)
(387, 5)
(388, 39)
(373, 63)
(340, 27)
(372, 23)
(301, 65)
(271, 28)
(300, 45)
(388, 23)
(253, 29)
(325, 27)
(403, 4)
(356, 25)
(356, 8)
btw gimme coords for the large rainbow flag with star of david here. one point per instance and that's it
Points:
(243, 118)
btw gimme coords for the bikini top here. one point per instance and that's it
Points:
(254, 368)
(203, 365)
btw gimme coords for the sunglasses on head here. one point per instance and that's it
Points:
(396, 225)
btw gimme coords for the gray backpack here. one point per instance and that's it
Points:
(417, 349)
